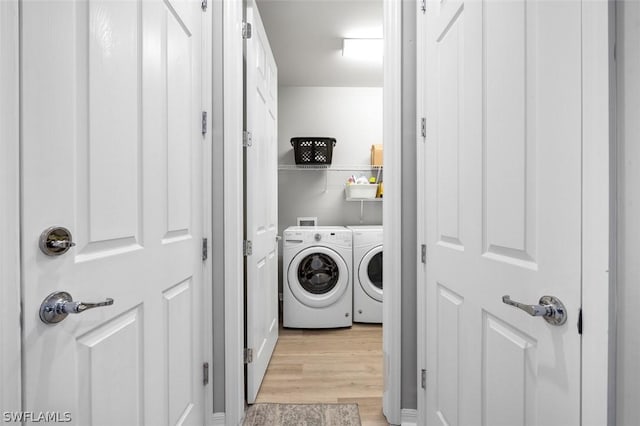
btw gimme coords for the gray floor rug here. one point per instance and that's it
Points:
(302, 415)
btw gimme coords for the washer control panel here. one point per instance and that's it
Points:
(298, 236)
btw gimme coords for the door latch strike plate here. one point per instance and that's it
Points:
(423, 378)
(423, 253)
(204, 122)
(205, 249)
(205, 374)
(580, 321)
(248, 355)
(246, 30)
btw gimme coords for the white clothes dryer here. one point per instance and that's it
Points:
(317, 292)
(367, 273)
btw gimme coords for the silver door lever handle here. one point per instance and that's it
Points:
(79, 307)
(533, 310)
(550, 308)
(58, 305)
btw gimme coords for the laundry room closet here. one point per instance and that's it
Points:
(330, 195)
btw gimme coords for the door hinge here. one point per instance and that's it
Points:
(248, 355)
(423, 6)
(580, 321)
(246, 138)
(423, 378)
(247, 248)
(205, 374)
(423, 253)
(246, 30)
(204, 5)
(423, 127)
(204, 122)
(205, 249)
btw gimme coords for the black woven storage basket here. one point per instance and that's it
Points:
(312, 150)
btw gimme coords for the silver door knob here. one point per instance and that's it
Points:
(56, 306)
(550, 308)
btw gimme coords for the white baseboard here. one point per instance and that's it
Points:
(218, 419)
(409, 417)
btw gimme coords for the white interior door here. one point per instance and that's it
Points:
(261, 206)
(503, 210)
(111, 150)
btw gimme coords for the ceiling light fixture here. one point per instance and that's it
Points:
(369, 49)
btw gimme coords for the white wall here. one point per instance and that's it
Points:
(628, 233)
(217, 367)
(409, 211)
(351, 115)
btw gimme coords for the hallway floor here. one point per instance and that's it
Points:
(333, 365)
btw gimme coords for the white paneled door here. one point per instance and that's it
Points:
(111, 150)
(502, 198)
(261, 204)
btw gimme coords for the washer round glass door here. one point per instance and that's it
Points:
(318, 276)
(370, 273)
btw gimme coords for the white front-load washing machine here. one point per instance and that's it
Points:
(317, 288)
(367, 273)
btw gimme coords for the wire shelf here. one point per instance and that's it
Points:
(330, 167)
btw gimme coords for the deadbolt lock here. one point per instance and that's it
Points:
(55, 241)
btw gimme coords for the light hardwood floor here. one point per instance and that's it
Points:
(333, 365)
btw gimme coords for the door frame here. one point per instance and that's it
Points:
(233, 187)
(207, 84)
(392, 211)
(233, 211)
(598, 125)
(10, 289)
(598, 144)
